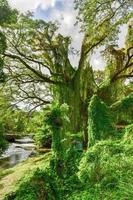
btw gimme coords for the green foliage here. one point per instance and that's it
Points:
(47, 123)
(58, 116)
(106, 170)
(65, 157)
(37, 185)
(100, 124)
(71, 161)
(124, 104)
(57, 120)
(2, 45)
(39, 129)
(128, 137)
(3, 143)
(43, 137)
(2, 50)
(106, 167)
(35, 122)
(14, 120)
(92, 166)
(7, 15)
(129, 38)
(84, 194)
(44, 184)
(102, 20)
(123, 110)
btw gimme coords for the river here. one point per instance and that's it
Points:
(17, 152)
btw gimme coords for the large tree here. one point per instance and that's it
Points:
(37, 58)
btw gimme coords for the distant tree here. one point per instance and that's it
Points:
(7, 15)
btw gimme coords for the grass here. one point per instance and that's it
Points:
(10, 177)
(5, 172)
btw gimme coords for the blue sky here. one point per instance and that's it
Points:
(47, 13)
(62, 11)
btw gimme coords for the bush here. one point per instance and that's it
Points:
(105, 172)
(43, 137)
(123, 110)
(36, 186)
(100, 124)
(107, 169)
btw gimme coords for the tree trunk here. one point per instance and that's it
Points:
(76, 94)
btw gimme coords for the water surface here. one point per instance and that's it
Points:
(17, 152)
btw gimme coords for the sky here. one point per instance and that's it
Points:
(62, 11)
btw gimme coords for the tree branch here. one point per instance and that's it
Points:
(127, 66)
(38, 62)
(36, 72)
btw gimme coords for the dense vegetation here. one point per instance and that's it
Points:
(102, 171)
(86, 116)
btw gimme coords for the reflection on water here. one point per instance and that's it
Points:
(17, 152)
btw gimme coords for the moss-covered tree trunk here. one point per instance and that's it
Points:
(70, 95)
(75, 94)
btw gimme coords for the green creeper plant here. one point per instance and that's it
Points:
(100, 124)
(123, 109)
(56, 118)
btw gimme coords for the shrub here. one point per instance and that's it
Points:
(36, 186)
(43, 137)
(107, 169)
(123, 110)
(100, 124)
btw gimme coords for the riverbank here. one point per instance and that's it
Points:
(16, 152)
(10, 177)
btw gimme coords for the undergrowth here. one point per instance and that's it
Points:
(104, 171)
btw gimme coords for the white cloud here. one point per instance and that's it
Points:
(67, 18)
(97, 61)
(31, 5)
